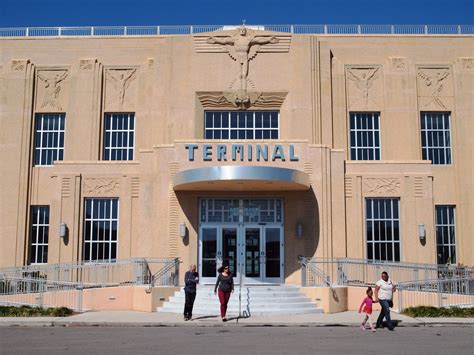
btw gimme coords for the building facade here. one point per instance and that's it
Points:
(244, 147)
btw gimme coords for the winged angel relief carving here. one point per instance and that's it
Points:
(435, 83)
(52, 87)
(121, 80)
(363, 79)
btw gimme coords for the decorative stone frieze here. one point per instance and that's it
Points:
(399, 64)
(229, 99)
(19, 64)
(101, 186)
(87, 64)
(382, 186)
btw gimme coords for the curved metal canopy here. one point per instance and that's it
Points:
(241, 178)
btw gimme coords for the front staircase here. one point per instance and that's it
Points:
(255, 300)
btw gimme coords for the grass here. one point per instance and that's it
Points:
(427, 311)
(27, 311)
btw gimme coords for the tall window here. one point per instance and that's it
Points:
(436, 137)
(445, 234)
(49, 138)
(383, 229)
(119, 136)
(242, 125)
(100, 229)
(365, 135)
(39, 234)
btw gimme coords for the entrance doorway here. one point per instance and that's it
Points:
(246, 234)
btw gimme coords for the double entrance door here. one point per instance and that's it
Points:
(253, 251)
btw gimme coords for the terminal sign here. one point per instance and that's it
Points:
(241, 152)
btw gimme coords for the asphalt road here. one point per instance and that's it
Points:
(235, 340)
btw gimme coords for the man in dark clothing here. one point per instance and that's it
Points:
(191, 278)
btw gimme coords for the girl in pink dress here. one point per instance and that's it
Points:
(366, 306)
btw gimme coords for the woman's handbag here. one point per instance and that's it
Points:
(390, 303)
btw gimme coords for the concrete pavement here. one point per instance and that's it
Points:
(143, 319)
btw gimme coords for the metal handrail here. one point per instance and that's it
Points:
(307, 265)
(322, 29)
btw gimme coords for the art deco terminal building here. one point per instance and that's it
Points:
(240, 146)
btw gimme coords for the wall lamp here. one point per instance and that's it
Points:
(182, 230)
(422, 232)
(63, 230)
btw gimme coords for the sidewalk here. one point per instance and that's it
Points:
(142, 319)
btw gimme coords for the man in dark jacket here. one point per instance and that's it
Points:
(191, 279)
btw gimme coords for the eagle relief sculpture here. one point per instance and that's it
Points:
(435, 84)
(242, 47)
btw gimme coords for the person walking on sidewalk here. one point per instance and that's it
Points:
(366, 306)
(225, 283)
(191, 279)
(384, 290)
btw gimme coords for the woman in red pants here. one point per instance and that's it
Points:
(225, 283)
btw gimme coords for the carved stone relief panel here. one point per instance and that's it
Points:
(51, 89)
(87, 64)
(399, 64)
(242, 45)
(382, 186)
(19, 64)
(435, 88)
(364, 87)
(227, 100)
(121, 89)
(467, 63)
(101, 187)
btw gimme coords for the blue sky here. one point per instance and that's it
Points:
(20, 13)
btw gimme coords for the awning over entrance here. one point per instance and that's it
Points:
(241, 178)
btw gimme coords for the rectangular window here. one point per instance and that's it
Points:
(241, 125)
(39, 234)
(445, 234)
(365, 135)
(100, 229)
(49, 138)
(383, 229)
(119, 136)
(436, 137)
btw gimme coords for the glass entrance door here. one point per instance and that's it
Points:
(247, 235)
(252, 254)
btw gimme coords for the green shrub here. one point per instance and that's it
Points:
(27, 311)
(428, 311)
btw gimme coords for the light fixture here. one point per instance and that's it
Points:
(182, 230)
(421, 232)
(62, 230)
(299, 230)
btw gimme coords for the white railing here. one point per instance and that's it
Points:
(110, 273)
(456, 292)
(348, 29)
(40, 293)
(359, 272)
(61, 285)
(312, 275)
(134, 271)
(362, 272)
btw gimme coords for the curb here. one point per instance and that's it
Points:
(55, 323)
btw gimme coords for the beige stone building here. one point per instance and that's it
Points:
(244, 147)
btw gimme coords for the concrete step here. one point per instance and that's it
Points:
(265, 299)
